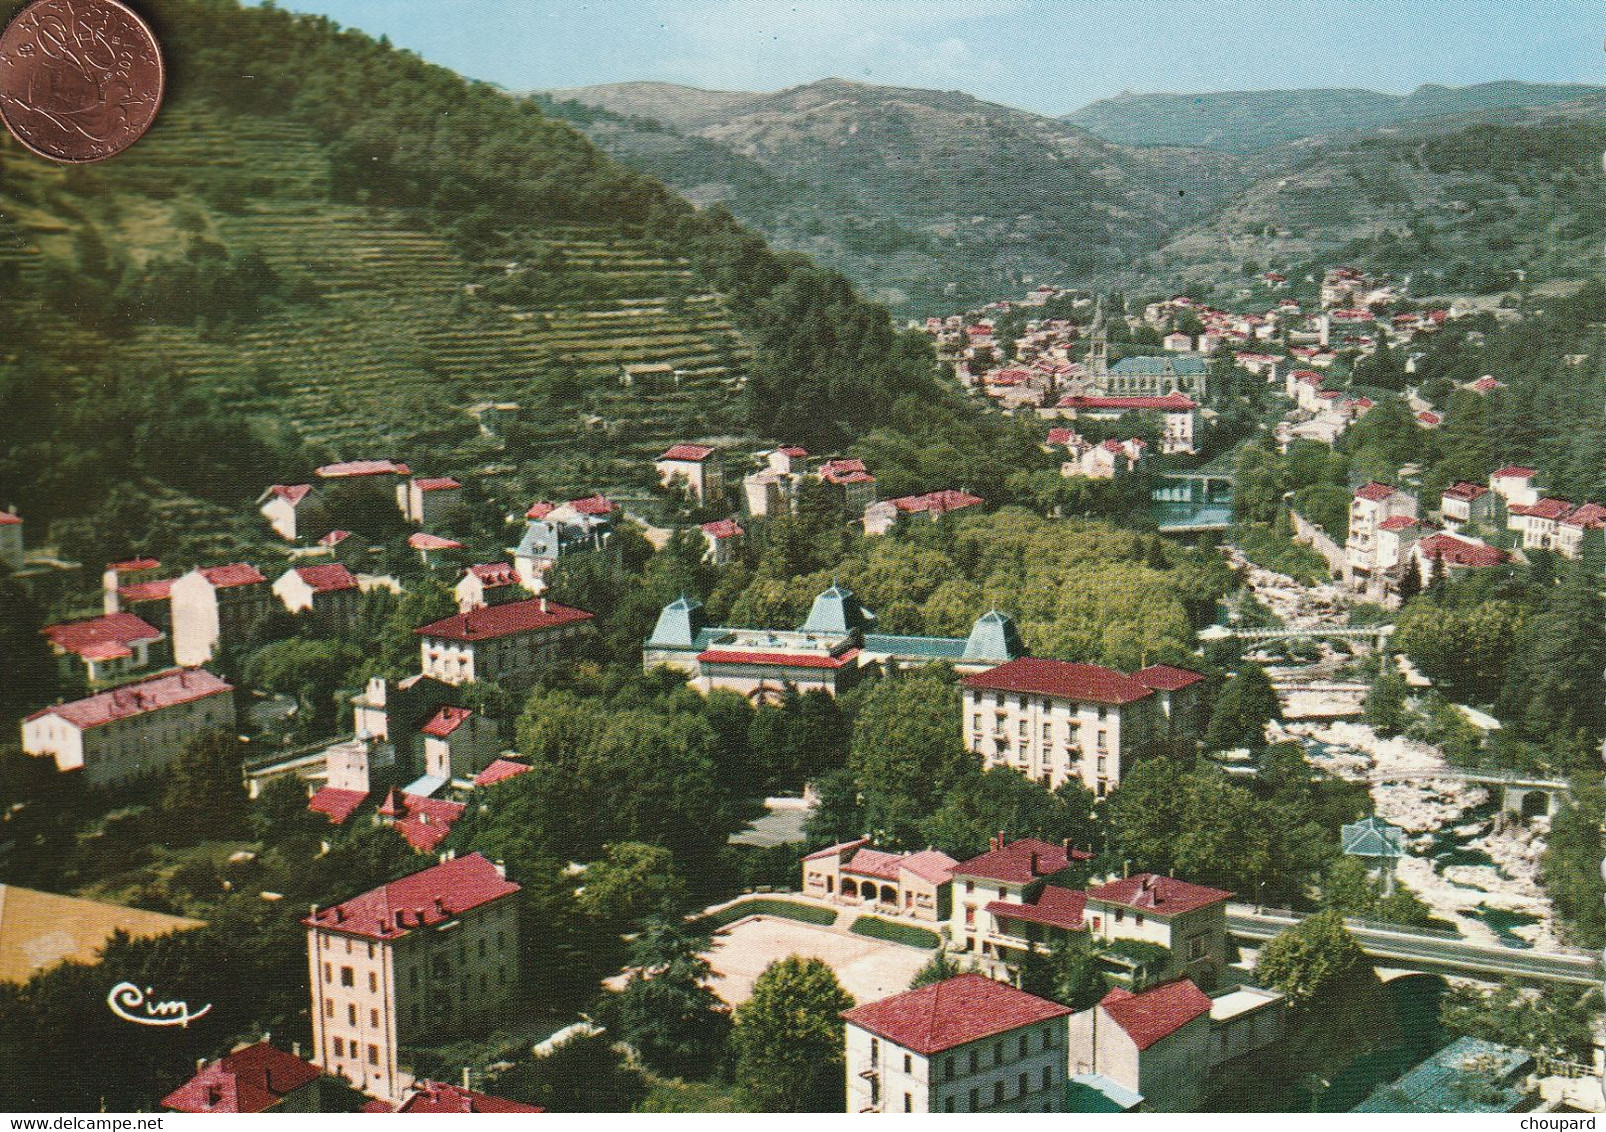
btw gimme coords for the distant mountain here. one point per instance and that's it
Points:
(927, 198)
(1247, 121)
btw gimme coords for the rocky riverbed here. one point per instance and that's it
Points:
(1473, 867)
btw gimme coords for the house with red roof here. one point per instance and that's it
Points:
(110, 648)
(858, 875)
(424, 822)
(1155, 1043)
(1054, 720)
(554, 530)
(1374, 549)
(423, 959)
(1579, 531)
(362, 469)
(293, 510)
(1463, 504)
(458, 744)
(518, 638)
(722, 537)
(850, 476)
(500, 770)
(1188, 920)
(134, 730)
(1453, 553)
(879, 518)
(428, 500)
(217, 606)
(435, 1098)
(966, 1044)
(695, 468)
(1515, 484)
(1006, 899)
(1537, 521)
(488, 583)
(327, 593)
(1178, 414)
(253, 1078)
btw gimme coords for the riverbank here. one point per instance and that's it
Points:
(1470, 867)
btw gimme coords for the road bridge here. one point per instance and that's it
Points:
(1434, 952)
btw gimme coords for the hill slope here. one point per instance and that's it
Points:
(929, 198)
(1246, 121)
(328, 249)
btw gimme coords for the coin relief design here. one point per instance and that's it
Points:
(80, 80)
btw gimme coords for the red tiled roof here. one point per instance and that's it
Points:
(1054, 907)
(434, 1098)
(540, 510)
(936, 502)
(1398, 523)
(427, 821)
(334, 538)
(151, 694)
(1374, 492)
(594, 505)
(779, 659)
(133, 565)
(7, 519)
(1013, 863)
(424, 899)
(1060, 435)
(1163, 896)
(234, 574)
(253, 1079)
(1514, 471)
(794, 451)
(837, 849)
(1460, 552)
(423, 540)
(1548, 508)
(531, 616)
(159, 589)
(1171, 402)
(1166, 678)
(291, 493)
(931, 865)
(874, 863)
(444, 722)
(723, 528)
(364, 468)
(1428, 418)
(966, 1008)
(336, 805)
(494, 573)
(1156, 1013)
(689, 453)
(1087, 683)
(500, 770)
(436, 483)
(1466, 491)
(1588, 516)
(331, 578)
(101, 638)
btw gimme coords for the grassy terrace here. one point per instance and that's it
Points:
(767, 906)
(893, 932)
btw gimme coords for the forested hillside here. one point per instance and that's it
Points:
(327, 248)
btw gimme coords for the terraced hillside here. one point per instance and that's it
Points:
(392, 340)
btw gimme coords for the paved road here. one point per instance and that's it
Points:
(1438, 954)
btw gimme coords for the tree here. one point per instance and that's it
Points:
(938, 968)
(1572, 862)
(583, 1073)
(1385, 702)
(666, 1011)
(1070, 973)
(906, 752)
(311, 671)
(1246, 703)
(1310, 959)
(788, 1038)
(1556, 1023)
(28, 673)
(204, 793)
(984, 802)
(632, 881)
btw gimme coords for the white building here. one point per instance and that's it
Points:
(967, 1044)
(499, 641)
(132, 731)
(328, 593)
(696, 467)
(213, 607)
(1053, 720)
(1515, 485)
(428, 500)
(290, 509)
(1155, 1043)
(1376, 510)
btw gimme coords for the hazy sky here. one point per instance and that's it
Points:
(1045, 55)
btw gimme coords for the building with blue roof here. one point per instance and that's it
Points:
(1154, 376)
(833, 648)
(1468, 1075)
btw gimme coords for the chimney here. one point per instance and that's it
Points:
(1066, 845)
(440, 906)
(400, 913)
(1034, 862)
(543, 610)
(200, 1064)
(467, 1081)
(295, 1049)
(501, 868)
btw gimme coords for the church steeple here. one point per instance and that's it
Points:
(1098, 350)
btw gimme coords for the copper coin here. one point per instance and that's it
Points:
(80, 80)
